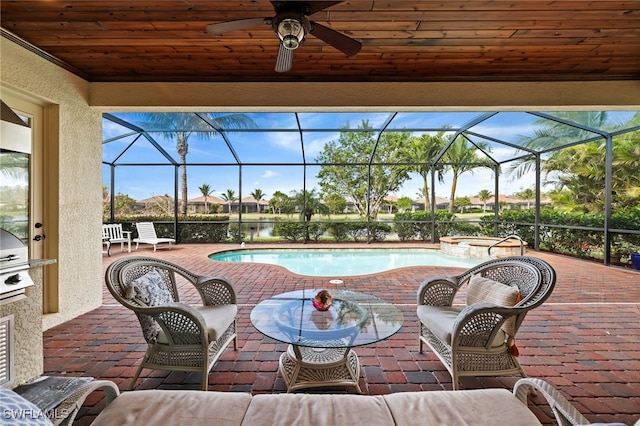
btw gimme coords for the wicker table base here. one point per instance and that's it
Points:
(306, 367)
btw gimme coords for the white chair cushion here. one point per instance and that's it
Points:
(440, 320)
(217, 319)
(482, 289)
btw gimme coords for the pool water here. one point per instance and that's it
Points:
(344, 262)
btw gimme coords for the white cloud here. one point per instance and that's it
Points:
(269, 174)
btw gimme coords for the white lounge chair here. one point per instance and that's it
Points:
(147, 235)
(112, 233)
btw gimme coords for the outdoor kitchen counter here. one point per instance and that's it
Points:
(36, 263)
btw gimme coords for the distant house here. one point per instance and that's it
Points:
(442, 203)
(200, 205)
(249, 205)
(158, 204)
(514, 203)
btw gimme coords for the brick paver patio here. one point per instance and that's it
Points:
(585, 339)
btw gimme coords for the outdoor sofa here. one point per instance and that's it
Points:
(192, 407)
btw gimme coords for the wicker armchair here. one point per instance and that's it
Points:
(180, 337)
(479, 339)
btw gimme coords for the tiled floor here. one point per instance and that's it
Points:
(585, 339)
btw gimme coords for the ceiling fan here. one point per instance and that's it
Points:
(291, 25)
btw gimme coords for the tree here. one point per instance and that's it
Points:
(257, 195)
(462, 157)
(182, 125)
(229, 197)
(346, 171)
(421, 152)
(124, 205)
(308, 203)
(527, 194)
(206, 191)
(280, 202)
(484, 196)
(336, 203)
(550, 134)
(578, 171)
(404, 204)
(462, 202)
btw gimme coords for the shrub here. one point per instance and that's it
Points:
(404, 227)
(379, 231)
(290, 231)
(339, 230)
(357, 231)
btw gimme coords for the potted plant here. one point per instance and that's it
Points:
(618, 250)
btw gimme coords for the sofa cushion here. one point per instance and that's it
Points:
(484, 290)
(176, 408)
(460, 407)
(317, 409)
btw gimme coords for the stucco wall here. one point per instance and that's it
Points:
(27, 315)
(79, 130)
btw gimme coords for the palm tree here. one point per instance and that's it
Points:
(229, 197)
(462, 157)
(257, 195)
(206, 191)
(279, 202)
(527, 194)
(551, 134)
(182, 125)
(308, 203)
(484, 196)
(579, 171)
(421, 151)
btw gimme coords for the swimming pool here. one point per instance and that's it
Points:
(344, 262)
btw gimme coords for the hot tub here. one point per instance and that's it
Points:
(477, 247)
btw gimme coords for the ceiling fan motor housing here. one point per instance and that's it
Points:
(291, 28)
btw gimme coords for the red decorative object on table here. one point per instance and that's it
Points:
(322, 301)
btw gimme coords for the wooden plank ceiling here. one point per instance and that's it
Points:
(443, 40)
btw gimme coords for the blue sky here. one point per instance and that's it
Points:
(283, 147)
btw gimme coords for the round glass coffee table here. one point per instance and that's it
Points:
(320, 342)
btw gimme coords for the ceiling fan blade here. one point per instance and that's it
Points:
(317, 6)
(343, 43)
(240, 24)
(285, 59)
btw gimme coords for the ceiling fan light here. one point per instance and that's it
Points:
(290, 42)
(291, 32)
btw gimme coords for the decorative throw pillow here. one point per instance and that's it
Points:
(482, 289)
(17, 410)
(149, 290)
